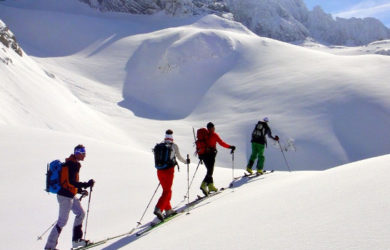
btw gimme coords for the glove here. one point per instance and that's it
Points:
(84, 192)
(188, 161)
(90, 183)
(232, 148)
(276, 138)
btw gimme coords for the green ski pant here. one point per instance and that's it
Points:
(257, 152)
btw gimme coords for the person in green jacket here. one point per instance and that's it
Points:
(259, 142)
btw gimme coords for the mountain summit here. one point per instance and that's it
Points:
(285, 20)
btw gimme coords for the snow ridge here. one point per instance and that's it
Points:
(8, 39)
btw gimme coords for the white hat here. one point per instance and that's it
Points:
(168, 137)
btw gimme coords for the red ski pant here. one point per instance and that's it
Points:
(165, 177)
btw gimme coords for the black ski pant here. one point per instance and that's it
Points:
(209, 161)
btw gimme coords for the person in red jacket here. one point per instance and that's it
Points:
(208, 158)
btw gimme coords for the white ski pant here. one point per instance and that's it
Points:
(66, 204)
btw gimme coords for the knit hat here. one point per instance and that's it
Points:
(168, 135)
(79, 149)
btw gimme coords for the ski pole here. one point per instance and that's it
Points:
(233, 170)
(40, 237)
(188, 184)
(196, 170)
(281, 150)
(89, 202)
(139, 222)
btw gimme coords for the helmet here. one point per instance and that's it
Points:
(266, 119)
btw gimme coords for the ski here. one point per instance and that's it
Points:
(181, 211)
(91, 245)
(250, 176)
(100, 242)
(153, 225)
(247, 175)
(209, 195)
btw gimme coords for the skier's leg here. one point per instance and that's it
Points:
(65, 205)
(253, 156)
(261, 158)
(78, 221)
(209, 161)
(166, 180)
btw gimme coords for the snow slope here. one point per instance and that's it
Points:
(115, 83)
(341, 208)
(213, 69)
(378, 47)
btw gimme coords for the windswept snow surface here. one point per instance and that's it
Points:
(341, 208)
(378, 48)
(116, 82)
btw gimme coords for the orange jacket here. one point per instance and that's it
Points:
(65, 183)
(69, 178)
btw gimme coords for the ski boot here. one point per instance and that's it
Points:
(79, 243)
(169, 213)
(158, 213)
(259, 172)
(212, 188)
(249, 170)
(203, 187)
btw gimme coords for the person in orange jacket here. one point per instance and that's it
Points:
(208, 158)
(70, 186)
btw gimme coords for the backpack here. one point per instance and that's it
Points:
(53, 173)
(202, 135)
(259, 131)
(162, 156)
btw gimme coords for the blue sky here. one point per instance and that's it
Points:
(379, 9)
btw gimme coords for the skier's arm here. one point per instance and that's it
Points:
(269, 134)
(177, 153)
(77, 184)
(221, 142)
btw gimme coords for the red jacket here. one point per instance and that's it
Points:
(214, 138)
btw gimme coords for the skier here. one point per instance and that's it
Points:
(259, 142)
(165, 176)
(208, 157)
(70, 186)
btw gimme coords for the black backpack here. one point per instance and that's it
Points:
(259, 133)
(162, 156)
(259, 130)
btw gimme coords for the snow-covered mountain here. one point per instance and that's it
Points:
(7, 38)
(353, 31)
(285, 20)
(176, 7)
